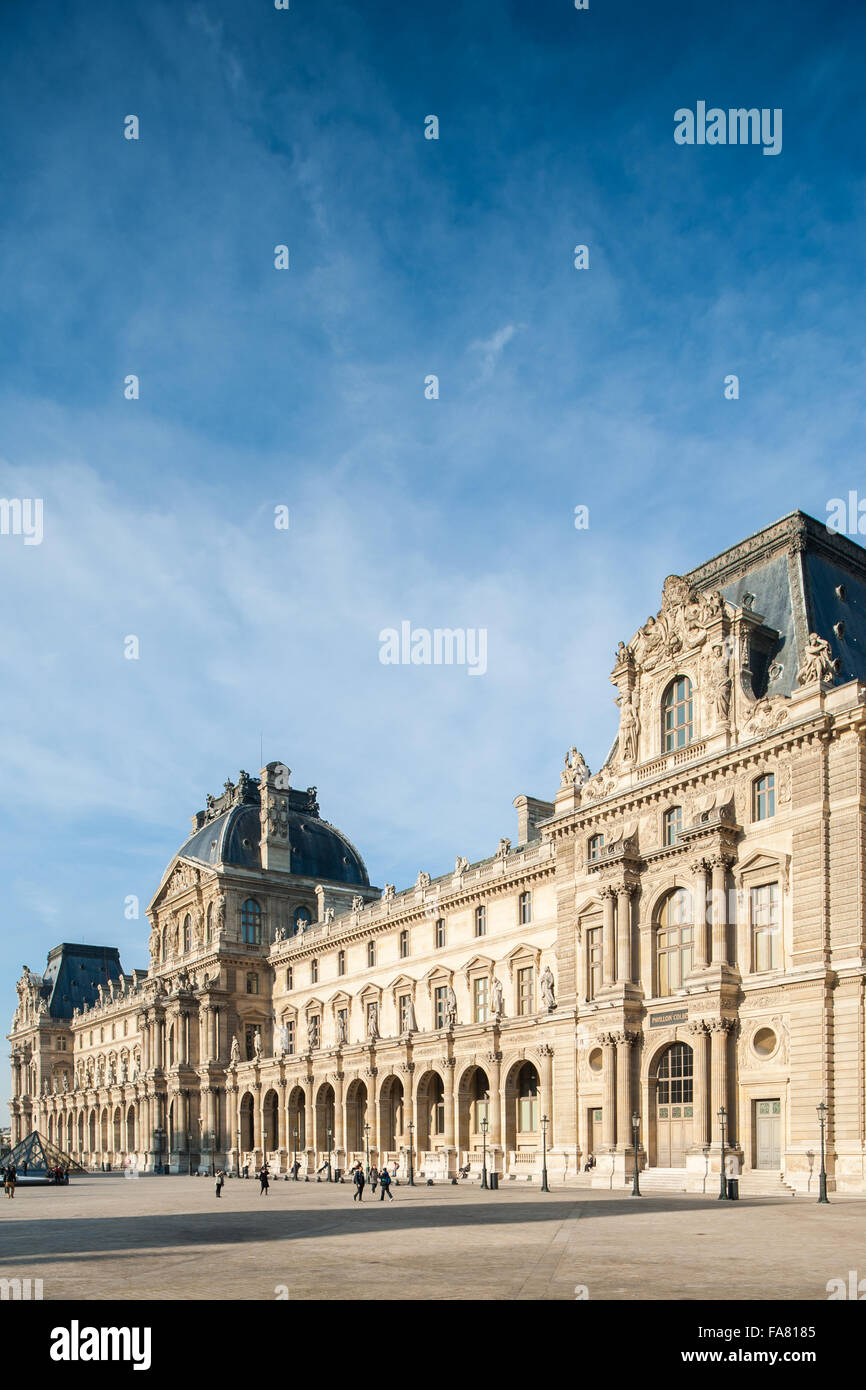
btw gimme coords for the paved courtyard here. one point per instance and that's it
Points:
(169, 1238)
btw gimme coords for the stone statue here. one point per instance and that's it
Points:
(629, 728)
(341, 1027)
(284, 1038)
(462, 865)
(503, 848)
(236, 1051)
(576, 771)
(330, 913)
(410, 1022)
(818, 664)
(450, 1007)
(357, 903)
(720, 685)
(220, 912)
(498, 999)
(257, 1044)
(547, 989)
(65, 1082)
(372, 1021)
(123, 1069)
(423, 879)
(312, 1032)
(388, 893)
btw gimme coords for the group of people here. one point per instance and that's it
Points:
(380, 1178)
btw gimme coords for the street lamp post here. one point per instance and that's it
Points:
(484, 1123)
(295, 1154)
(411, 1182)
(723, 1187)
(238, 1152)
(544, 1123)
(330, 1137)
(367, 1143)
(822, 1181)
(635, 1131)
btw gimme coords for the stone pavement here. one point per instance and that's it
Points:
(169, 1238)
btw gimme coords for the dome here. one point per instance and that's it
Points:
(318, 850)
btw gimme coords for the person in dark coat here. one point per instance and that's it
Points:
(358, 1180)
(10, 1180)
(385, 1184)
(263, 1179)
(220, 1179)
(374, 1177)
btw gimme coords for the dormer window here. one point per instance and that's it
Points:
(677, 716)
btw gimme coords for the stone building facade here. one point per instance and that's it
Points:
(682, 933)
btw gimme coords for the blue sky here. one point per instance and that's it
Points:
(305, 388)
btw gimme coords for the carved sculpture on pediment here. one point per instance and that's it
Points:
(679, 626)
(423, 880)
(767, 714)
(388, 893)
(576, 772)
(461, 865)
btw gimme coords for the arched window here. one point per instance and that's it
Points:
(764, 797)
(675, 936)
(302, 918)
(251, 922)
(673, 825)
(594, 847)
(677, 725)
(187, 933)
(675, 1076)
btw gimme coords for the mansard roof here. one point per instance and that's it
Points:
(73, 973)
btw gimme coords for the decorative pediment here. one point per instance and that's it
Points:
(437, 976)
(370, 994)
(401, 985)
(523, 954)
(478, 965)
(761, 864)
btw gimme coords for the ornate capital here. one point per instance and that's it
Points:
(608, 890)
(494, 1057)
(697, 1027)
(607, 1039)
(720, 1025)
(545, 1050)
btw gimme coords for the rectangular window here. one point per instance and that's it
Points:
(594, 962)
(371, 953)
(250, 1042)
(481, 921)
(528, 1114)
(290, 977)
(314, 972)
(252, 983)
(675, 957)
(439, 1005)
(765, 797)
(525, 909)
(526, 990)
(125, 1026)
(290, 1028)
(480, 995)
(404, 945)
(766, 928)
(403, 1004)
(341, 963)
(440, 933)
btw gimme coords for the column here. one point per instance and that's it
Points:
(608, 1131)
(372, 1107)
(309, 1121)
(448, 1066)
(699, 913)
(407, 1071)
(257, 1115)
(720, 908)
(700, 1044)
(215, 1046)
(546, 1052)
(494, 1076)
(719, 1028)
(623, 1088)
(608, 935)
(623, 934)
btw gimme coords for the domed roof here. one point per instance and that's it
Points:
(318, 850)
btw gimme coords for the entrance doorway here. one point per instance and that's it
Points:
(674, 1106)
(768, 1127)
(595, 1132)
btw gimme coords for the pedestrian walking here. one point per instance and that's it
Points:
(10, 1180)
(374, 1177)
(220, 1179)
(385, 1184)
(358, 1180)
(263, 1179)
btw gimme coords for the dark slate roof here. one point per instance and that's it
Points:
(318, 850)
(72, 974)
(794, 569)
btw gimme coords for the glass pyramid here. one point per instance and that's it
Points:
(35, 1155)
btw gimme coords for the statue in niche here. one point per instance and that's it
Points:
(547, 989)
(497, 999)
(236, 1051)
(372, 1021)
(629, 728)
(720, 684)
(450, 1007)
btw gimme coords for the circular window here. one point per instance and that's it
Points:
(764, 1042)
(595, 1059)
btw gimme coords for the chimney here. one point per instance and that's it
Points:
(529, 812)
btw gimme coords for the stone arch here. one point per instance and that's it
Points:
(80, 1132)
(524, 1104)
(430, 1110)
(671, 1081)
(103, 1131)
(391, 1114)
(325, 1112)
(474, 1103)
(356, 1116)
(116, 1127)
(91, 1133)
(130, 1129)
(271, 1138)
(247, 1122)
(297, 1135)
